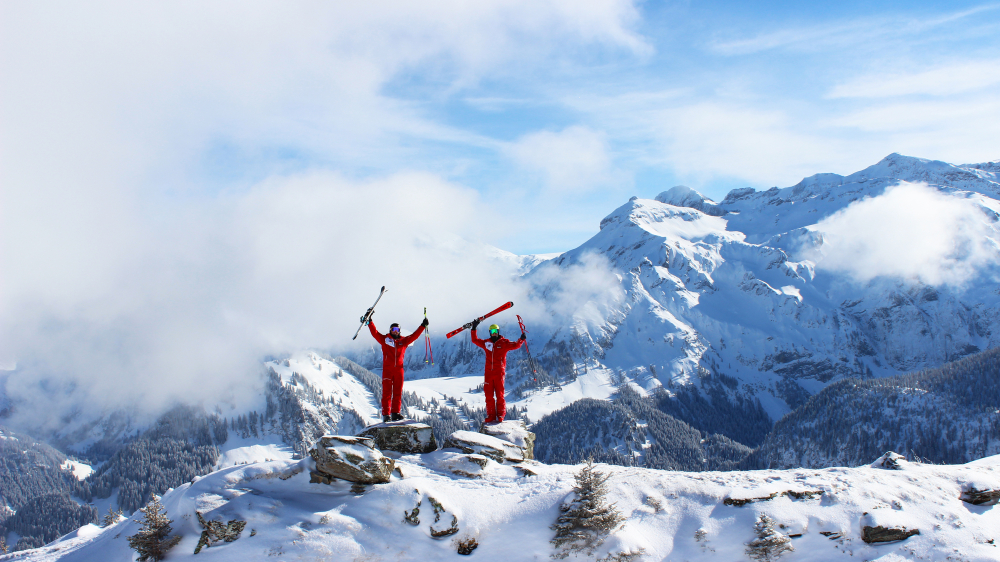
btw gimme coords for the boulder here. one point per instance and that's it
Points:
(497, 449)
(890, 461)
(513, 431)
(980, 497)
(403, 437)
(879, 533)
(350, 458)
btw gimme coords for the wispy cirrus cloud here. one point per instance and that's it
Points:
(850, 33)
(946, 80)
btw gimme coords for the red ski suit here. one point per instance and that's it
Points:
(393, 351)
(496, 370)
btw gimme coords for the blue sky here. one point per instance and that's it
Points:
(555, 112)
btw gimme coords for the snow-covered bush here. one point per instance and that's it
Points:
(769, 544)
(588, 519)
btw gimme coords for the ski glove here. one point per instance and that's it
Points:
(475, 323)
(523, 337)
(425, 323)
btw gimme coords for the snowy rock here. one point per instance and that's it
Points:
(890, 461)
(477, 443)
(470, 466)
(513, 431)
(883, 534)
(980, 497)
(350, 458)
(684, 196)
(403, 437)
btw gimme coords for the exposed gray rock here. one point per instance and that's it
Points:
(350, 458)
(980, 497)
(482, 444)
(513, 431)
(879, 533)
(403, 437)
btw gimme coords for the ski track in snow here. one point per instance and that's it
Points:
(509, 515)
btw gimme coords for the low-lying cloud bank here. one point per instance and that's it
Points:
(913, 232)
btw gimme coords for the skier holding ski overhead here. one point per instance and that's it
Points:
(393, 350)
(496, 349)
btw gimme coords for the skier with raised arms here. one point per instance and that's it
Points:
(393, 350)
(496, 348)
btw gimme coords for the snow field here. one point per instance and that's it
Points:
(671, 515)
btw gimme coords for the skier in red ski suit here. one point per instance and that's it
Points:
(496, 349)
(393, 350)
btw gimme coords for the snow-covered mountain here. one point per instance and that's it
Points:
(738, 289)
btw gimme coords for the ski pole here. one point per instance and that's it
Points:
(531, 361)
(427, 341)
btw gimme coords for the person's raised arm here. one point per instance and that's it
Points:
(374, 331)
(475, 337)
(403, 342)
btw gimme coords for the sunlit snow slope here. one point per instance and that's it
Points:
(670, 515)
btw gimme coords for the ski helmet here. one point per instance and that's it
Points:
(494, 327)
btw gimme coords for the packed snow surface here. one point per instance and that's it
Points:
(80, 470)
(670, 515)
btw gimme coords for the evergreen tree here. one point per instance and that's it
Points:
(153, 540)
(769, 544)
(111, 517)
(588, 519)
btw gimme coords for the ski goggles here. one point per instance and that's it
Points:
(494, 332)
(394, 330)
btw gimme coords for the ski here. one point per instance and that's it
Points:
(499, 309)
(368, 313)
(531, 361)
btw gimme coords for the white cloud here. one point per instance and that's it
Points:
(126, 273)
(961, 77)
(187, 310)
(912, 232)
(842, 34)
(575, 158)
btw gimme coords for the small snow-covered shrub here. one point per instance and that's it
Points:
(769, 544)
(467, 545)
(588, 519)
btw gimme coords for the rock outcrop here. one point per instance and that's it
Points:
(513, 431)
(980, 497)
(497, 449)
(890, 461)
(350, 458)
(408, 437)
(879, 533)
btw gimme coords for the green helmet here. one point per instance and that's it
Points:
(494, 327)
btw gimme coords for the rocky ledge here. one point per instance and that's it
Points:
(354, 459)
(408, 437)
(513, 431)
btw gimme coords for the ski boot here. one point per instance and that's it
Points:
(385, 419)
(397, 417)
